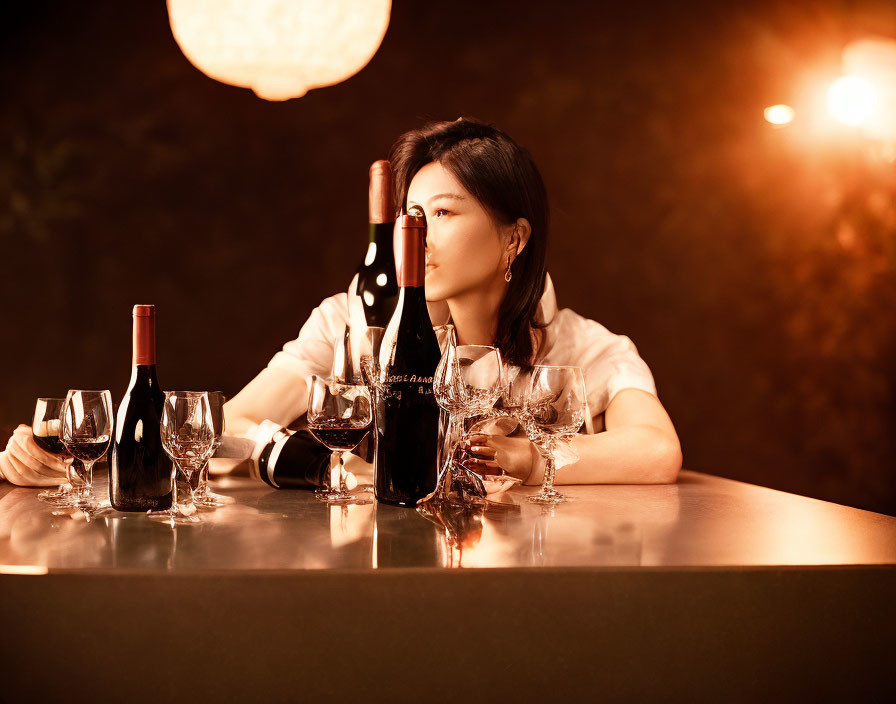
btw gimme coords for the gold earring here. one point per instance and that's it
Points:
(508, 274)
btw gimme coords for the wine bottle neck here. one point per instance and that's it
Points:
(143, 375)
(381, 235)
(412, 270)
(144, 340)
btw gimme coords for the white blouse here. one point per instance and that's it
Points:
(609, 362)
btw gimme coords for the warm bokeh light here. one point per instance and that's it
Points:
(279, 48)
(779, 114)
(874, 59)
(852, 100)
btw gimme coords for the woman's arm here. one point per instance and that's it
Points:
(276, 394)
(639, 446)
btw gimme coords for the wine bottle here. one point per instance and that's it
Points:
(407, 416)
(377, 284)
(296, 461)
(139, 469)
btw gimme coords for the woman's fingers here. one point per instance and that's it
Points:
(25, 439)
(483, 466)
(483, 451)
(19, 449)
(18, 473)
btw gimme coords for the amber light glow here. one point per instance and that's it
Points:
(779, 115)
(852, 100)
(280, 49)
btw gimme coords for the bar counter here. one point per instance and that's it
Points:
(704, 589)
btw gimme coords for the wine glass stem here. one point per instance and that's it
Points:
(174, 469)
(86, 490)
(549, 469)
(455, 432)
(188, 475)
(202, 486)
(340, 468)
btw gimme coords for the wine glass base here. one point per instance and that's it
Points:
(553, 498)
(53, 495)
(212, 500)
(340, 498)
(177, 518)
(92, 507)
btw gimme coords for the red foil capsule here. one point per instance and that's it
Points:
(413, 241)
(144, 334)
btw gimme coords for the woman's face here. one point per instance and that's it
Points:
(464, 246)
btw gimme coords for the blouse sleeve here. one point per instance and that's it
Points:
(609, 362)
(312, 351)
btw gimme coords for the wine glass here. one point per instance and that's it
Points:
(86, 426)
(46, 427)
(188, 435)
(467, 382)
(203, 496)
(339, 416)
(554, 411)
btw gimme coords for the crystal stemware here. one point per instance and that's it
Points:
(46, 427)
(188, 436)
(87, 422)
(203, 496)
(554, 411)
(339, 416)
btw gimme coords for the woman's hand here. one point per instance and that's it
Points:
(25, 464)
(489, 454)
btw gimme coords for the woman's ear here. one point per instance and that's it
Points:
(519, 237)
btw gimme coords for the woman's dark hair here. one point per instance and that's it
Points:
(503, 178)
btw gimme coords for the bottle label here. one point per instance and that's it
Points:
(407, 386)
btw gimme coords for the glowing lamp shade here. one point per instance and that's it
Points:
(779, 115)
(852, 100)
(280, 49)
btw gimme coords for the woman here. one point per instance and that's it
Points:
(487, 225)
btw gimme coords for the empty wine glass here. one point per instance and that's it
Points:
(467, 383)
(87, 422)
(46, 427)
(203, 496)
(339, 416)
(188, 435)
(554, 411)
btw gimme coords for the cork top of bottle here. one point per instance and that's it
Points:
(381, 202)
(413, 222)
(145, 311)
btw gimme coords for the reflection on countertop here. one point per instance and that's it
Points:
(702, 520)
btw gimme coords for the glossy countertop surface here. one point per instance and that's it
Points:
(700, 521)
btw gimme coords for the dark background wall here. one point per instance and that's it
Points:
(754, 268)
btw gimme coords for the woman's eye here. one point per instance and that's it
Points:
(440, 211)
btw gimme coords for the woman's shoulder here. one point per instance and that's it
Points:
(572, 335)
(609, 362)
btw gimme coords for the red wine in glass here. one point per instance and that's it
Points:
(339, 435)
